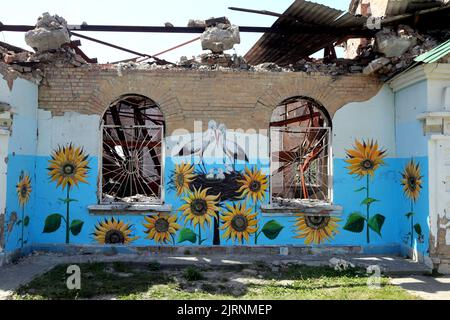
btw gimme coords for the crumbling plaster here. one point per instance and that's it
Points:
(238, 99)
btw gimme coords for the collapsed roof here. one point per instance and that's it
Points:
(306, 27)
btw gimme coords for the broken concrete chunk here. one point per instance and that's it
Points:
(376, 65)
(197, 24)
(268, 66)
(212, 22)
(50, 33)
(393, 45)
(220, 38)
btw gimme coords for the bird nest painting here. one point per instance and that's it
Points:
(225, 185)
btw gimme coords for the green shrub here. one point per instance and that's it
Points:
(192, 274)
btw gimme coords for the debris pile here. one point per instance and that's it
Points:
(51, 42)
(50, 33)
(394, 50)
(220, 35)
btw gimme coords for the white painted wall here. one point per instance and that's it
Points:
(372, 119)
(82, 130)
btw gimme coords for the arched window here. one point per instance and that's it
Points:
(300, 132)
(132, 171)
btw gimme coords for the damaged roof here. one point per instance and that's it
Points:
(291, 46)
(435, 54)
(306, 27)
(396, 7)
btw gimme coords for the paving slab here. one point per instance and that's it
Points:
(14, 275)
(425, 287)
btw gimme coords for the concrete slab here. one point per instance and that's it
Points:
(14, 275)
(426, 287)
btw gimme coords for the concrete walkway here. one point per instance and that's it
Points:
(13, 276)
(428, 288)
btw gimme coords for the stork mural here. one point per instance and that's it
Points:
(213, 172)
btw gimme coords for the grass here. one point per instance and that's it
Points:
(193, 274)
(136, 282)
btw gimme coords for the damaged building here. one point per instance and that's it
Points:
(237, 153)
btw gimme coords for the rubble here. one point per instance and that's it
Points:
(220, 35)
(197, 24)
(50, 33)
(51, 41)
(376, 65)
(392, 51)
(394, 44)
(389, 52)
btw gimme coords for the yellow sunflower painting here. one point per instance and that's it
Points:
(68, 166)
(23, 189)
(200, 207)
(183, 177)
(412, 180)
(316, 229)
(161, 227)
(365, 158)
(254, 185)
(113, 231)
(238, 222)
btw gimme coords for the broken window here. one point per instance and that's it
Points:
(133, 131)
(300, 132)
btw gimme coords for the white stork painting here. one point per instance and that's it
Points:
(215, 144)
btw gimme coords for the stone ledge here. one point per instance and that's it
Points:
(128, 209)
(308, 208)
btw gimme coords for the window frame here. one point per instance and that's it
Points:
(330, 169)
(160, 203)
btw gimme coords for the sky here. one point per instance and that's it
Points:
(145, 13)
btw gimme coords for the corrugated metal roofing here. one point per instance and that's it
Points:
(435, 54)
(397, 7)
(290, 47)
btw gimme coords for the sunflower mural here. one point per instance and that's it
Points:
(23, 190)
(412, 186)
(182, 178)
(316, 229)
(364, 160)
(211, 192)
(113, 231)
(254, 185)
(161, 228)
(68, 167)
(239, 222)
(199, 210)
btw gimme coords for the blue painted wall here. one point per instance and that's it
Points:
(385, 186)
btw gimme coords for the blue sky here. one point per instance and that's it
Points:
(140, 12)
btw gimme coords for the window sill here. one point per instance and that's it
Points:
(309, 208)
(128, 209)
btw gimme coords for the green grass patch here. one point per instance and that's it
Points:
(193, 274)
(151, 281)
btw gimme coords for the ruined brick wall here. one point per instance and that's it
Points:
(238, 99)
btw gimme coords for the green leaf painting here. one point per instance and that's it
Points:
(187, 235)
(418, 229)
(368, 201)
(26, 221)
(355, 223)
(76, 226)
(376, 223)
(272, 229)
(52, 223)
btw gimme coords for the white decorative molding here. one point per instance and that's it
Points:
(128, 209)
(432, 71)
(435, 122)
(316, 209)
